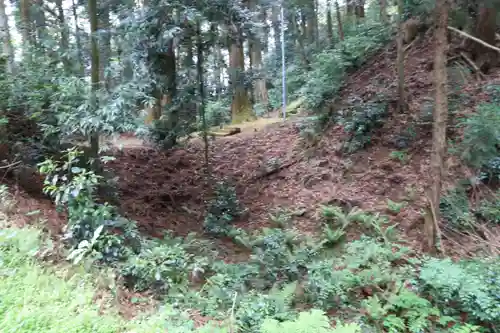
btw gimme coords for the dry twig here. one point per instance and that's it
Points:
(477, 40)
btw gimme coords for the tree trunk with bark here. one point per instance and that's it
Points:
(400, 65)
(260, 94)
(7, 48)
(105, 45)
(440, 113)
(485, 30)
(329, 23)
(94, 137)
(275, 23)
(81, 66)
(27, 26)
(383, 11)
(339, 21)
(64, 42)
(241, 108)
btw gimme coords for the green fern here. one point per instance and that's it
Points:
(313, 321)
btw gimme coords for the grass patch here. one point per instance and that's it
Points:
(34, 298)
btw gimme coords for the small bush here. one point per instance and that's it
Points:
(470, 287)
(360, 122)
(481, 136)
(455, 209)
(223, 209)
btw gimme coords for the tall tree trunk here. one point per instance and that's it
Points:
(94, 77)
(201, 92)
(265, 42)
(40, 23)
(383, 11)
(81, 65)
(64, 43)
(310, 21)
(485, 30)
(299, 37)
(400, 61)
(359, 8)
(241, 108)
(7, 48)
(275, 22)
(27, 26)
(260, 94)
(339, 21)
(440, 112)
(329, 23)
(105, 44)
(218, 60)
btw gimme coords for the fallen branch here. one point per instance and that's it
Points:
(477, 40)
(472, 64)
(278, 169)
(407, 47)
(10, 165)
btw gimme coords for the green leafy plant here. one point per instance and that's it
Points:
(360, 122)
(470, 286)
(455, 209)
(223, 209)
(310, 321)
(481, 135)
(404, 311)
(399, 155)
(74, 189)
(396, 207)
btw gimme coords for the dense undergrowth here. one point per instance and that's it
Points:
(290, 282)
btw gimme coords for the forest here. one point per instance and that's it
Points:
(328, 166)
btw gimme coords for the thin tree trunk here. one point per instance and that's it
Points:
(260, 90)
(77, 38)
(64, 45)
(26, 29)
(275, 22)
(105, 45)
(383, 11)
(7, 48)
(400, 61)
(485, 30)
(329, 23)
(441, 110)
(201, 91)
(94, 137)
(40, 23)
(339, 21)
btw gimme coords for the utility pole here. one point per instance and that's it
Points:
(283, 67)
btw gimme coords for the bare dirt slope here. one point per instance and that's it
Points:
(166, 190)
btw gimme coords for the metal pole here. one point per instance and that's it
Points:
(283, 67)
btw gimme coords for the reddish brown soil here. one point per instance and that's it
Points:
(166, 190)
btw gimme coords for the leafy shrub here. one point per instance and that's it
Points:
(336, 283)
(164, 266)
(74, 188)
(223, 210)
(481, 136)
(360, 122)
(311, 321)
(329, 67)
(404, 311)
(470, 287)
(489, 209)
(455, 208)
(254, 308)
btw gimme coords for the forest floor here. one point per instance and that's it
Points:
(271, 169)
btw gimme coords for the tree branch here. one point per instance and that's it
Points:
(464, 34)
